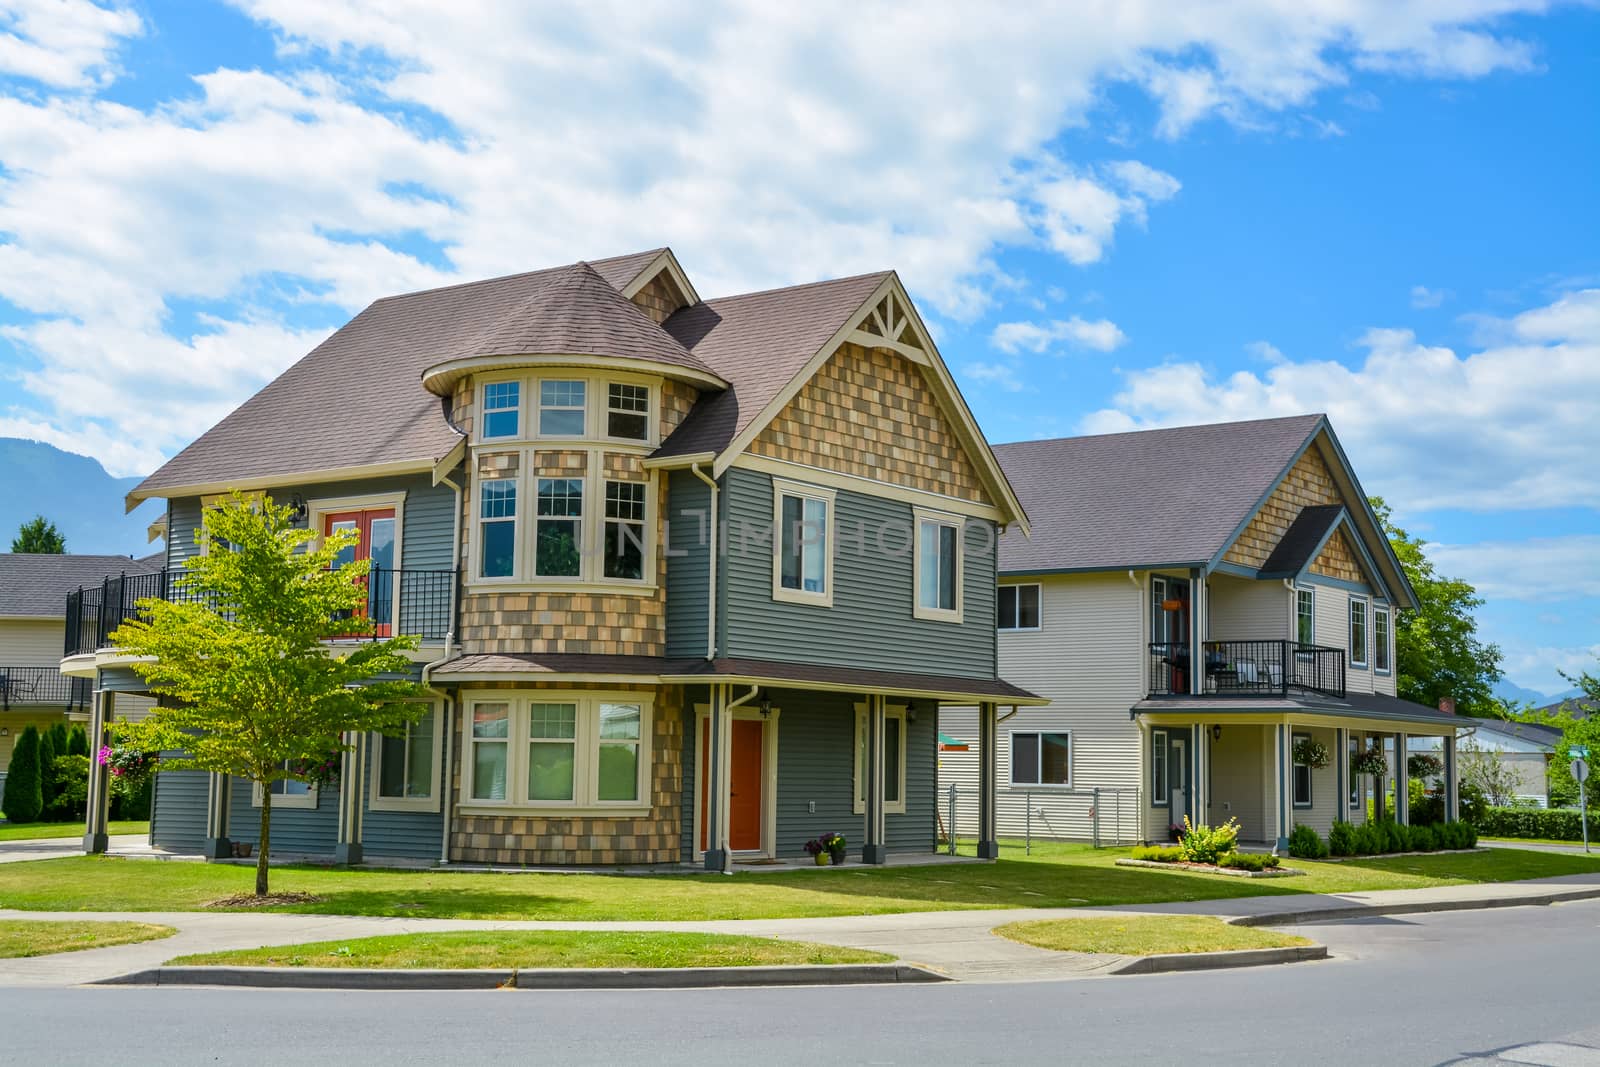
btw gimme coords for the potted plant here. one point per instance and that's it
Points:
(1372, 761)
(1312, 753)
(818, 851)
(128, 763)
(835, 844)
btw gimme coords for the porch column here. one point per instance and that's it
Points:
(1402, 781)
(872, 848)
(1197, 779)
(1341, 768)
(99, 801)
(717, 787)
(1379, 781)
(1281, 779)
(1197, 637)
(988, 846)
(347, 846)
(219, 788)
(1452, 793)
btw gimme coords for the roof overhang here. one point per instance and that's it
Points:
(441, 378)
(144, 492)
(1267, 710)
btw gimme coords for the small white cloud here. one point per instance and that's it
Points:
(1535, 569)
(1423, 297)
(999, 374)
(1265, 351)
(1100, 335)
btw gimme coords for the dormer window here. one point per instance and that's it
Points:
(561, 405)
(628, 412)
(502, 406)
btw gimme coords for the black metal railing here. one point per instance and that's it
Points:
(1248, 668)
(46, 686)
(399, 601)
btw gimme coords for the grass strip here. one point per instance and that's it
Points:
(1145, 935)
(44, 937)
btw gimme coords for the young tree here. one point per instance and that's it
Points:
(24, 798)
(1437, 648)
(39, 535)
(1481, 769)
(255, 692)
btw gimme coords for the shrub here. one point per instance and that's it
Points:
(1248, 861)
(1305, 843)
(47, 770)
(1369, 840)
(1159, 853)
(1423, 839)
(1342, 839)
(1203, 844)
(1560, 824)
(130, 797)
(70, 800)
(1426, 809)
(60, 738)
(24, 797)
(1472, 803)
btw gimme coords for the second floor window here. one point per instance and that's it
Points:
(558, 528)
(1358, 632)
(628, 411)
(1305, 618)
(497, 527)
(802, 544)
(1019, 607)
(561, 405)
(938, 567)
(1380, 637)
(502, 406)
(624, 532)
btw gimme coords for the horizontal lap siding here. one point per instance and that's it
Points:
(1245, 610)
(417, 835)
(178, 814)
(1087, 659)
(32, 643)
(870, 623)
(688, 573)
(1325, 801)
(1241, 760)
(313, 831)
(1333, 630)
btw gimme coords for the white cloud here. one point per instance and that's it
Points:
(1509, 426)
(999, 374)
(1101, 335)
(763, 143)
(1539, 569)
(1423, 297)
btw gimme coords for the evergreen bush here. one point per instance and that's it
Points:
(78, 742)
(1342, 839)
(24, 797)
(47, 770)
(1305, 843)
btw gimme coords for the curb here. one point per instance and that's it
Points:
(1362, 911)
(1211, 961)
(536, 978)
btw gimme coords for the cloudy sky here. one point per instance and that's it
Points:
(1115, 214)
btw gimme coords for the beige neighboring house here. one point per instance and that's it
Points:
(33, 598)
(1525, 749)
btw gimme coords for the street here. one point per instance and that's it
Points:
(1426, 989)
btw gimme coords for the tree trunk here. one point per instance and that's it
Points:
(266, 836)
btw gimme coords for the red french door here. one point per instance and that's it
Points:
(376, 528)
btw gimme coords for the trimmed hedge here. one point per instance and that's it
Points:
(1560, 824)
(1377, 838)
(1159, 853)
(1305, 843)
(1248, 861)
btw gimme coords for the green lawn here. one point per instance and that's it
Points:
(29, 831)
(41, 937)
(1145, 935)
(1593, 842)
(1057, 875)
(539, 948)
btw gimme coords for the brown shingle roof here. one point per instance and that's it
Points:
(37, 584)
(356, 399)
(1143, 499)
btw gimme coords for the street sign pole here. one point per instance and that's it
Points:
(1580, 771)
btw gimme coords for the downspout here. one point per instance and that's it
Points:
(1010, 714)
(447, 775)
(711, 570)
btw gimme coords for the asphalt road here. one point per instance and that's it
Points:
(1434, 989)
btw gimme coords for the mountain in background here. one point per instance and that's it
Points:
(1511, 692)
(76, 494)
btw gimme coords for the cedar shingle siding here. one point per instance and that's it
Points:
(1308, 484)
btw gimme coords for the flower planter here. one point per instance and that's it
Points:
(822, 859)
(837, 856)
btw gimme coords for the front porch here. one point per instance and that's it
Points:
(1215, 759)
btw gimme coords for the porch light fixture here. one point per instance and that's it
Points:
(297, 508)
(911, 711)
(1216, 732)
(766, 705)
(5, 731)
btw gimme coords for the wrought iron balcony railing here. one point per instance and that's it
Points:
(1248, 668)
(42, 687)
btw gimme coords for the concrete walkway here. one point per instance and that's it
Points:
(55, 848)
(956, 943)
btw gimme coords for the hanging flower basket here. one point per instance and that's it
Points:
(1372, 761)
(320, 772)
(1311, 753)
(127, 764)
(1424, 765)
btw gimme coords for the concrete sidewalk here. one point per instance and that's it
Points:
(956, 943)
(55, 848)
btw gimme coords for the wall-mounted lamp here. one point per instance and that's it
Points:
(766, 705)
(297, 508)
(5, 731)
(1216, 732)
(911, 711)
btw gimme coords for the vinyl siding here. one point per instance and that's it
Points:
(1325, 805)
(816, 763)
(307, 831)
(32, 642)
(688, 577)
(1247, 610)
(1241, 761)
(178, 814)
(870, 623)
(416, 835)
(1333, 630)
(1088, 658)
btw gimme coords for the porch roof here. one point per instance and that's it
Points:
(554, 667)
(1352, 706)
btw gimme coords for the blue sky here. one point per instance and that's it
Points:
(1175, 214)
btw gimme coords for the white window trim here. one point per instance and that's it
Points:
(1362, 661)
(769, 775)
(377, 802)
(306, 801)
(529, 553)
(1011, 764)
(586, 763)
(482, 414)
(537, 407)
(651, 415)
(780, 489)
(1295, 620)
(940, 518)
(1019, 586)
(858, 786)
(1388, 638)
(1311, 785)
(474, 535)
(1160, 744)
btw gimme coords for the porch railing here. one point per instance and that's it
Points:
(399, 601)
(42, 687)
(1248, 668)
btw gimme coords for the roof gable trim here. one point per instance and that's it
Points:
(668, 262)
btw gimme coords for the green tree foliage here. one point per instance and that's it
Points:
(78, 742)
(1579, 726)
(60, 738)
(47, 768)
(24, 798)
(242, 655)
(39, 534)
(1437, 648)
(70, 778)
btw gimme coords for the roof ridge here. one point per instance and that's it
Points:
(1163, 429)
(800, 285)
(520, 274)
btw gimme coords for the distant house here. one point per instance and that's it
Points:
(33, 598)
(1524, 748)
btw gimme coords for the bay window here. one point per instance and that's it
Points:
(624, 531)
(561, 408)
(628, 411)
(559, 751)
(938, 566)
(502, 409)
(558, 528)
(497, 527)
(803, 543)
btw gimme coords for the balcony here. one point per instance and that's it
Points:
(42, 687)
(413, 602)
(1249, 668)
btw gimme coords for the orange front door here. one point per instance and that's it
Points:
(744, 814)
